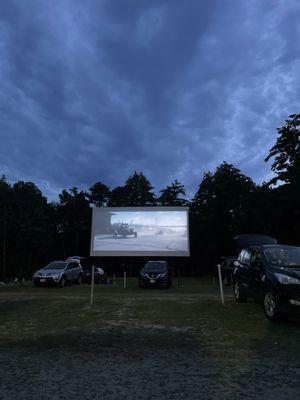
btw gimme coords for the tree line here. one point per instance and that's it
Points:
(227, 202)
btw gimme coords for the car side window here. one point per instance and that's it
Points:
(246, 257)
(255, 257)
(72, 265)
(241, 255)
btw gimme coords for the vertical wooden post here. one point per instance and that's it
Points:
(221, 284)
(92, 285)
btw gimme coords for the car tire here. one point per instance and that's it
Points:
(239, 293)
(79, 279)
(270, 305)
(135, 234)
(62, 281)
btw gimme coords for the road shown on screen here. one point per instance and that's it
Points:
(141, 243)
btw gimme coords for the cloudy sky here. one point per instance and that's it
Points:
(94, 90)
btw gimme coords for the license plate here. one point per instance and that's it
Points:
(152, 280)
(42, 280)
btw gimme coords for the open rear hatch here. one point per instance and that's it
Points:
(246, 240)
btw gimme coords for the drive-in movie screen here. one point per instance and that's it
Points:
(140, 231)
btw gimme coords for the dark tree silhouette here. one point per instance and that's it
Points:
(219, 211)
(30, 225)
(140, 190)
(119, 197)
(170, 196)
(287, 152)
(74, 216)
(5, 220)
(99, 194)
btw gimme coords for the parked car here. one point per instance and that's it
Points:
(99, 275)
(227, 268)
(59, 273)
(269, 273)
(155, 274)
(123, 229)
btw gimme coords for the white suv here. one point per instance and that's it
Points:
(59, 273)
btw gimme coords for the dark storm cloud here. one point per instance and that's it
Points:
(95, 90)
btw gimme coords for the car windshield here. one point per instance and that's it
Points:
(56, 265)
(155, 267)
(283, 256)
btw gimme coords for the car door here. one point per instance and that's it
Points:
(244, 263)
(69, 272)
(256, 272)
(75, 270)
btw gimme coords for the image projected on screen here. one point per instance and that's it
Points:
(140, 231)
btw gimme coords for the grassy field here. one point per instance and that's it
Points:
(235, 337)
(44, 316)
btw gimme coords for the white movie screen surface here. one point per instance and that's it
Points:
(143, 231)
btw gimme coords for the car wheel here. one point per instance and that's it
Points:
(79, 279)
(271, 306)
(239, 293)
(62, 281)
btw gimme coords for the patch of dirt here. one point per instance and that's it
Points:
(145, 363)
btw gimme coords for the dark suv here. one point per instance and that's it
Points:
(155, 274)
(271, 275)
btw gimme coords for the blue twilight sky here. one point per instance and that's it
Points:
(94, 90)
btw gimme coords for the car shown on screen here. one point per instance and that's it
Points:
(271, 275)
(99, 275)
(155, 274)
(59, 273)
(123, 229)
